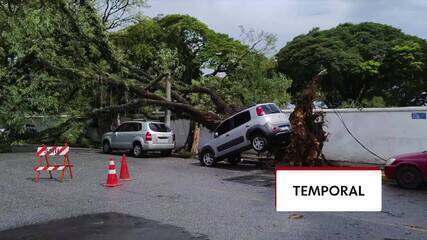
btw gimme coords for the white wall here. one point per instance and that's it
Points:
(181, 128)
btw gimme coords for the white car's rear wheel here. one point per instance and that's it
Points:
(137, 150)
(259, 143)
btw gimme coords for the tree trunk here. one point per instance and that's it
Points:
(189, 142)
(196, 141)
(169, 98)
(308, 135)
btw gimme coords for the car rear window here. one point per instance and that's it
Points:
(270, 108)
(159, 127)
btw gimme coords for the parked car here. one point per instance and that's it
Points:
(29, 131)
(3, 134)
(139, 137)
(409, 170)
(256, 127)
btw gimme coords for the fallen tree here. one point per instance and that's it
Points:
(308, 135)
(73, 67)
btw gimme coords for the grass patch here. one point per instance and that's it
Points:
(5, 148)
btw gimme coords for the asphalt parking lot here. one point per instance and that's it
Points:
(173, 198)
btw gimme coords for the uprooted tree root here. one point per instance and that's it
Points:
(308, 136)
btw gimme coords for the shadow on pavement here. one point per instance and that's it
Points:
(254, 180)
(129, 154)
(244, 166)
(103, 226)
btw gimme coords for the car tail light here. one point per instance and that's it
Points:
(148, 136)
(173, 137)
(260, 111)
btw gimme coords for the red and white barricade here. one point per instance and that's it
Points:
(44, 153)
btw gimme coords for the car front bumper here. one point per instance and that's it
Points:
(280, 137)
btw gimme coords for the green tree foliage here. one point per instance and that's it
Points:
(366, 62)
(239, 72)
(255, 81)
(56, 58)
(32, 38)
(197, 46)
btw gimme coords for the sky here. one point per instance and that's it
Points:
(290, 18)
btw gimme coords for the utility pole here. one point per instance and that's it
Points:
(169, 98)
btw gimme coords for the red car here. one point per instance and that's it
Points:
(409, 170)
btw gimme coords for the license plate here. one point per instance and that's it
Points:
(284, 128)
(162, 140)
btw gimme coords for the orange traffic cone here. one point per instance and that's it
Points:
(112, 179)
(124, 170)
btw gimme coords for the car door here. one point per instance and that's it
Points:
(117, 139)
(232, 137)
(129, 135)
(241, 126)
(237, 134)
(221, 137)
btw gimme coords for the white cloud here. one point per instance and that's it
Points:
(289, 18)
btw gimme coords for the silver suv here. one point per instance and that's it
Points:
(139, 137)
(256, 127)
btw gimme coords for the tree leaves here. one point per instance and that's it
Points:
(364, 61)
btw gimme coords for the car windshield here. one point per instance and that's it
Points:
(159, 127)
(270, 108)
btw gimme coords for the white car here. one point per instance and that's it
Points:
(140, 137)
(256, 127)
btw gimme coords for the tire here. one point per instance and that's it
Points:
(259, 143)
(166, 153)
(106, 147)
(235, 159)
(137, 150)
(207, 158)
(409, 177)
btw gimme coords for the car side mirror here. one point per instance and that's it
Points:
(216, 135)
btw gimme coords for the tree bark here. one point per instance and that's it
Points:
(196, 141)
(189, 141)
(168, 98)
(308, 135)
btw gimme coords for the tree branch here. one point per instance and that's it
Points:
(208, 119)
(221, 106)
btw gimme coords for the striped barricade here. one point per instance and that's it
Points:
(44, 153)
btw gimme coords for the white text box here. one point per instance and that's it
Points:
(328, 189)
